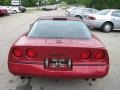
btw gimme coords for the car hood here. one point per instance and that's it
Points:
(24, 41)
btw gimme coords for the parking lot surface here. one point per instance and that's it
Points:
(11, 27)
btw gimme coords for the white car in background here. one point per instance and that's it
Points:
(81, 12)
(106, 20)
(14, 9)
(71, 8)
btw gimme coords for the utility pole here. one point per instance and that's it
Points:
(93, 3)
(40, 2)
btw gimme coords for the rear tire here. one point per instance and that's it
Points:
(107, 27)
(1, 15)
(22, 77)
(14, 12)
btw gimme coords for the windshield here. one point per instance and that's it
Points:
(59, 29)
(103, 12)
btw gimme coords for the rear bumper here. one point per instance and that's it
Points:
(37, 70)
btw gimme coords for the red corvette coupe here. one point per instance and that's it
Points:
(59, 48)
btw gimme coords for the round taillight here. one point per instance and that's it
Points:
(17, 52)
(99, 55)
(31, 53)
(85, 54)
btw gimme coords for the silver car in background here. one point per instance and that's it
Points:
(71, 8)
(106, 20)
(81, 12)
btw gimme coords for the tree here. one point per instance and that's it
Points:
(99, 4)
(29, 3)
(5, 2)
(51, 2)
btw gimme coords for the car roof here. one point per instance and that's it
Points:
(112, 9)
(60, 18)
(84, 8)
(115, 10)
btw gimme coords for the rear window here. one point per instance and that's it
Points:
(59, 29)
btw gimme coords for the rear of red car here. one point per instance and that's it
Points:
(68, 53)
(59, 61)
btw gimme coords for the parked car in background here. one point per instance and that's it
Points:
(22, 9)
(106, 20)
(59, 47)
(7, 8)
(49, 8)
(81, 12)
(14, 9)
(11, 9)
(3, 12)
(71, 8)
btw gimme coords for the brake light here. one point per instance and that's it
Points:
(99, 55)
(85, 54)
(17, 52)
(92, 18)
(31, 53)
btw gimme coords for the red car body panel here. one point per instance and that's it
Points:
(49, 48)
(3, 12)
(78, 72)
(58, 49)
